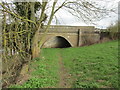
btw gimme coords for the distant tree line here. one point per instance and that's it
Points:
(114, 31)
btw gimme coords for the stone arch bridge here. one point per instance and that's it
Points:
(68, 36)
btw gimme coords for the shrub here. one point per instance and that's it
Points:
(113, 29)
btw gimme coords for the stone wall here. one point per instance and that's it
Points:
(88, 39)
(56, 42)
(75, 35)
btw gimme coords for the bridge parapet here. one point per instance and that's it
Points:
(75, 35)
(62, 27)
(59, 31)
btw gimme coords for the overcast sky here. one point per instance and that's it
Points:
(65, 18)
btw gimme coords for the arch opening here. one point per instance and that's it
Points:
(57, 42)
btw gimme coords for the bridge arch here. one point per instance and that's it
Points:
(57, 42)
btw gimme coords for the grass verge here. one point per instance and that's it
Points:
(94, 66)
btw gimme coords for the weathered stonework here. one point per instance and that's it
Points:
(73, 35)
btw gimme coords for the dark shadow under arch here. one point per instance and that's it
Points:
(57, 42)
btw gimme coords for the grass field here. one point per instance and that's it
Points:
(94, 66)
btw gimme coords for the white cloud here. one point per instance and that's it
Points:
(67, 19)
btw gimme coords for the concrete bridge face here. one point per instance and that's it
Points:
(68, 36)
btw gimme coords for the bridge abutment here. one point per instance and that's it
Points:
(74, 35)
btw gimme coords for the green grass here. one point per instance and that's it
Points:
(44, 71)
(94, 66)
